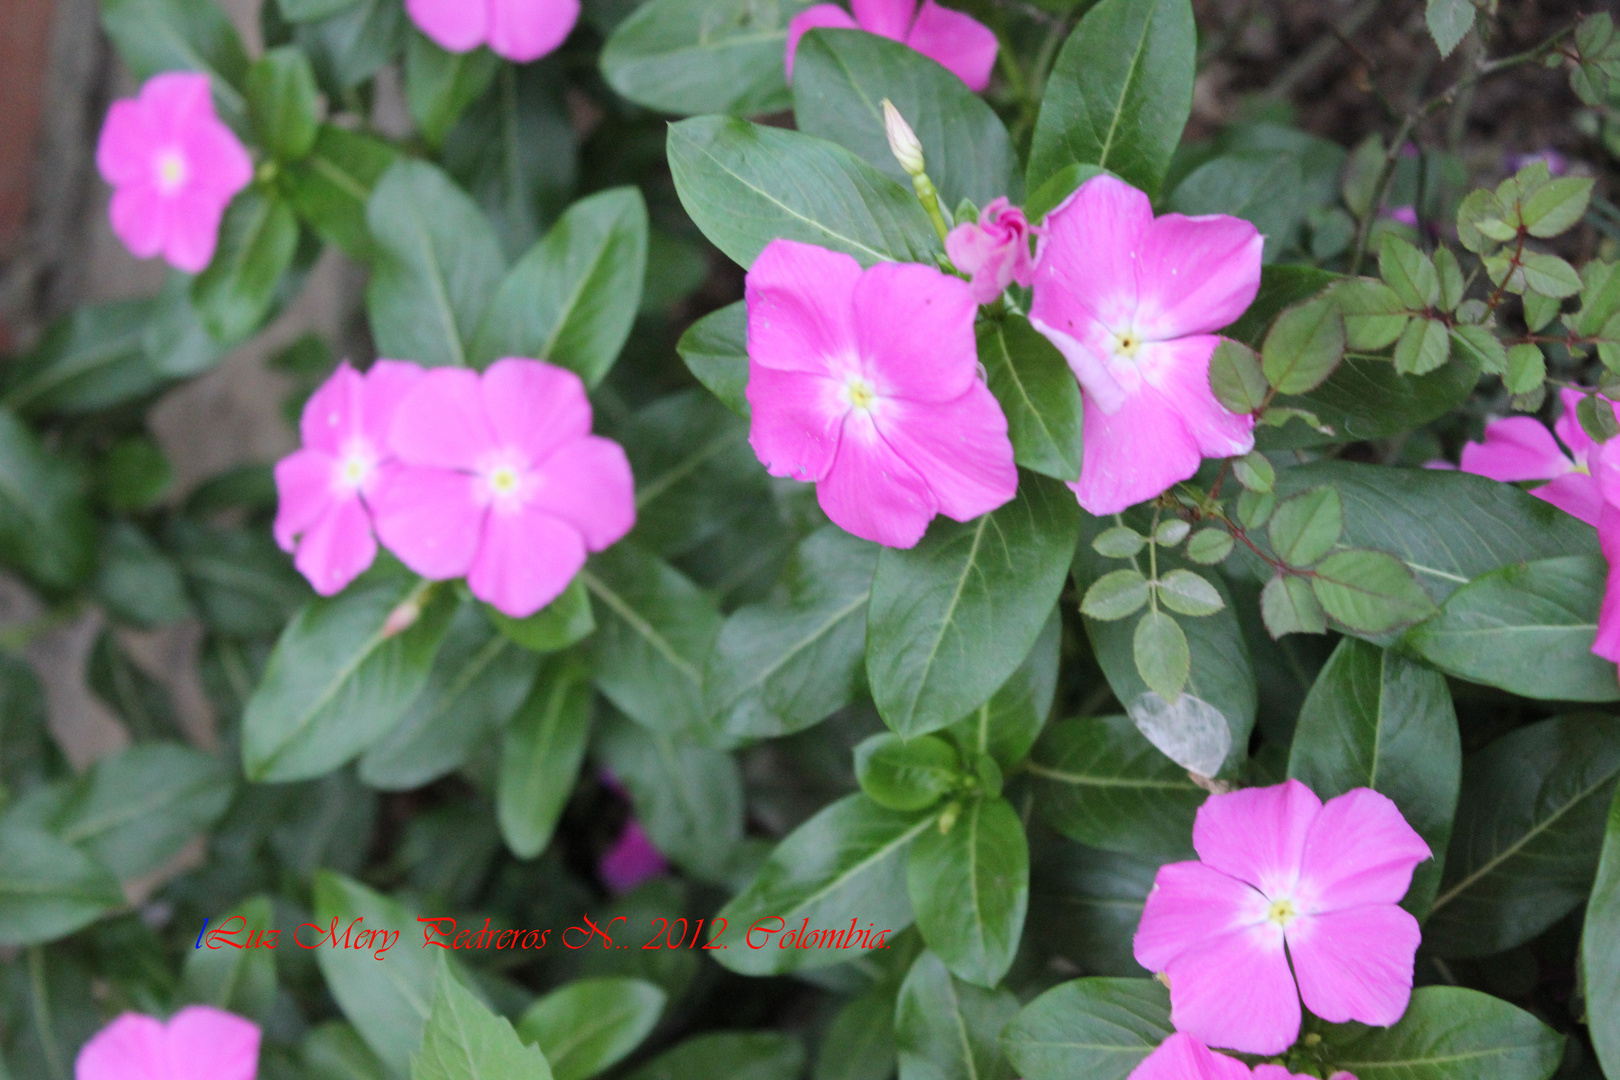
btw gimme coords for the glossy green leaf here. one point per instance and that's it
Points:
(135, 581)
(1085, 905)
(1115, 595)
(91, 359)
(464, 1040)
(257, 242)
(1448, 1033)
(1089, 1029)
(1305, 527)
(541, 752)
(332, 186)
(1600, 948)
(1304, 346)
(335, 1051)
(946, 1029)
(349, 47)
(565, 621)
(284, 103)
(1039, 394)
(1264, 187)
(970, 890)
(45, 526)
(154, 36)
(440, 85)
(228, 975)
(715, 349)
(1370, 592)
(906, 774)
(590, 1025)
(1006, 726)
(739, 1055)
(48, 888)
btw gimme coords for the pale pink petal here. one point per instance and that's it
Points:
(1182, 1057)
(209, 1044)
(1084, 346)
(1359, 850)
(219, 164)
(870, 493)
(386, 384)
(140, 218)
(335, 412)
(1235, 991)
(631, 860)
(1086, 269)
(1343, 1074)
(1355, 964)
(587, 483)
(794, 421)
(1196, 274)
(338, 547)
(304, 493)
(888, 18)
(535, 406)
(1576, 494)
(455, 25)
(1133, 454)
(959, 447)
(1607, 644)
(194, 219)
(1258, 834)
(525, 30)
(1179, 371)
(980, 255)
(799, 314)
(526, 560)
(442, 422)
(914, 326)
(1604, 463)
(1516, 448)
(132, 1047)
(829, 15)
(433, 519)
(178, 100)
(959, 43)
(124, 151)
(1189, 903)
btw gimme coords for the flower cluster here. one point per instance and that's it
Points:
(494, 477)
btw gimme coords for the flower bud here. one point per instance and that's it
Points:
(402, 618)
(902, 140)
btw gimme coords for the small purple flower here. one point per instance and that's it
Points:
(631, 860)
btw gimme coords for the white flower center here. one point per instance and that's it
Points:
(172, 171)
(859, 394)
(1127, 344)
(503, 481)
(355, 465)
(1282, 912)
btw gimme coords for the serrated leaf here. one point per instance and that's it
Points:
(1409, 273)
(1116, 594)
(1210, 546)
(1288, 605)
(1374, 315)
(464, 1040)
(1119, 542)
(1236, 377)
(1304, 346)
(1449, 22)
(1188, 593)
(1162, 657)
(1305, 527)
(1549, 275)
(1526, 369)
(1558, 206)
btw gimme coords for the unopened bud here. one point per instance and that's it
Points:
(402, 618)
(903, 142)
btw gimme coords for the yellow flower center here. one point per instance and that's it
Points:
(503, 481)
(355, 469)
(171, 170)
(861, 394)
(1281, 912)
(1127, 344)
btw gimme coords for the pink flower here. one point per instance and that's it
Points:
(1133, 303)
(174, 167)
(1519, 448)
(631, 860)
(1182, 1057)
(1280, 868)
(959, 43)
(501, 480)
(519, 30)
(1607, 642)
(866, 384)
(995, 252)
(198, 1041)
(324, 488)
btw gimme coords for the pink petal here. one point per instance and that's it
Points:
(794, 422)
(1086, 268)
(1236, 991)
(194, 219)
(124, 150)
(587, 483)
(1576, 494)
(140, 218)
(830, 15)
(871, 493)
(526, 560)
(433, 519)
(219, 164)
(1179, 370)
(1516, 448)
(178, 100)
(1084, 344)
(1607, 644)
(1278, 1072)
(960, 447)
(1604, 462)
(1182, 1057)
(631, 860)
(799, 314)
(525, 30)
(1189, 903)
(209, 1044)
(338, 547)
(959, 43)
(1196, 274)
(914, 328)
(1355, 964)
(335, 412)
(1359, 850)
(304, 493)
(386, 384)
(1258, 834)
(1568, 426)
(455, 25)
(442, 422)
(888, 18)
(535, 406)
(132, 1047)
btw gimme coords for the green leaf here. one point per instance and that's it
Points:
(440, 85)
(1557, 207)
(946, 1029)
(739, 1055)
(1600, 948)
(1482, 347)
(1453, 286)
(970, 890)
(48, 888)
(154, 36)
(1365, 398)
(565, 621)
(541, 752)
(1424, 346)
(1100, 782)
(743, 184)
(1370, 592)
(284, 103)
(335, 1051)
(1376, 720)
(242, 583)
(257, 242)
(1237, 378)
(1409, 272)
(1549, 275)
(1188, 593)
(308, 10)
(1305, 527)
(1163, 659)
(1039, 394)
(1089, 1029)
(435, 266)
(332, 186)
(1058, 187)
(953, 617)
(849, 857)
(1529, 828)
(841, 78)
(1448, 1033)
(859, 1043)
(350, 47)
(1288, 605)
(1210, 546)
(1304, 346)
(45, 527)
(92, 359)
(1449, 22)
(1085, 905)
(228, 975)
(1526, 628)
(1120, 93)
(135, 581)
(702, 56)
(1374, 315)
(1263, 186)
(1255, 472)
(587, 1027)
(1119, 542)
(1115, 595)
(335, 684)
(464, 1040)
(1526, 369)
(715, 349)
(572, 298)
(1006, 726)
(906, 774)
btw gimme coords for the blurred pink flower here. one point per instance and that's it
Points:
(1557, 164)
(518, 30)
(174, 166)
(500, 479)
(323, 488)
(1520, 448)
(1182, 1057)
(995, 252)
(867, 385)
(1133, 302)
(1406, 215)
(631, 860)
(197, 1042)
(959, 43)
(1279, 868)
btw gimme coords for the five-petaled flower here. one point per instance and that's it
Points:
(198, 1041)
(174, 166)
(518, 30)
(959, 43)
(1285, 877)
(501, 481)
(867, 385)
(1133, 303)
(1520, 448)
(994, 253)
